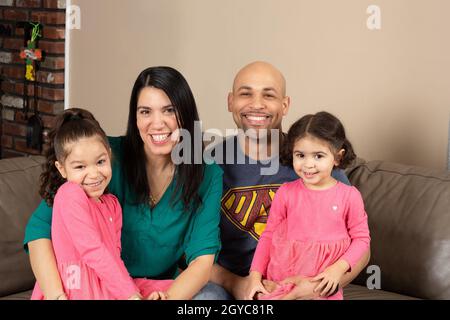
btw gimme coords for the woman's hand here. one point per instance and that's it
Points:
(331, 277)
(158, 295)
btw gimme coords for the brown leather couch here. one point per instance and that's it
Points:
(409, 220)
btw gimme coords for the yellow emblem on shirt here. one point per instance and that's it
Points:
(248, 207)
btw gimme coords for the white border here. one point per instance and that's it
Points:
(67, 58)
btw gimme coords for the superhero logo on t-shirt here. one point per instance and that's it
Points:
(248, 208)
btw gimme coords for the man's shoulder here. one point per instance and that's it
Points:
(340, 175)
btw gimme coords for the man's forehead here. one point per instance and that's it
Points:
(258, 82)
(259, 77)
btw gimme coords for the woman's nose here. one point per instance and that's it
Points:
(157, 120)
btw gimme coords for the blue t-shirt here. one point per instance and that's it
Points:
(245, 206)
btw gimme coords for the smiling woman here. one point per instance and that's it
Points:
(156, 121)
(161, 102)
(172, 209)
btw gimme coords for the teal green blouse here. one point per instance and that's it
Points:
(154, 241)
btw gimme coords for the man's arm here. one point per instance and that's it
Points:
(231, 282)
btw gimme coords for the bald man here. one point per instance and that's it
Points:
(258, 99)
(258, 103)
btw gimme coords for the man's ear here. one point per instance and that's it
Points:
(286, 104)
(339, 157)
(230, 101)
(61, 169)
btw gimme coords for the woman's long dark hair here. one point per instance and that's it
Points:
(71, 125)
(188, 175)
(324, 126)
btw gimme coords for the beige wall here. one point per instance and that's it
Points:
(390, 87)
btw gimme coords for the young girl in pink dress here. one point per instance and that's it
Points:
(87, 222)
(317, 226)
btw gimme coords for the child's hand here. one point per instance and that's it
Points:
(158, 295)
(254, 286)
(331, 277)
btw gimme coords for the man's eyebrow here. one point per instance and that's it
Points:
(270, 89)
(250, 88)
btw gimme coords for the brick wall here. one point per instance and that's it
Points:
(50, 77)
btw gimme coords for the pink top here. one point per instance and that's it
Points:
(308, 230)
(86, 241)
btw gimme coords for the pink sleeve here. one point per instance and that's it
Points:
(71, 202)
(118, 221)
(358, 229)
(276, 215)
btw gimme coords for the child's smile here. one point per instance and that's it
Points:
(314, 161)
(87, 164)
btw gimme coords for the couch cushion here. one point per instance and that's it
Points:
(351, 292)
(355, 292)
(19, 182)
(25, 295)
(409, 220)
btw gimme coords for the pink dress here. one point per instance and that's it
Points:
(86, 241)
(309, 230)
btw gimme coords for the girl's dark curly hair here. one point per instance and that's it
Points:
(70, 126)
(323, 126)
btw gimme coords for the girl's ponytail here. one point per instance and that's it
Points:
(50, 178)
